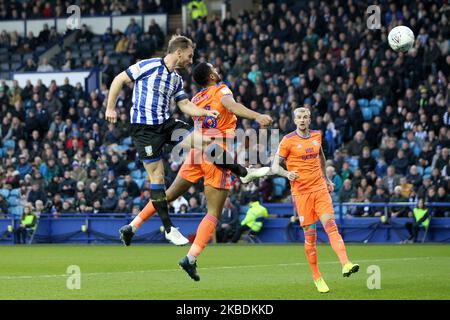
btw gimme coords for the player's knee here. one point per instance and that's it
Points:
(330, 226)
(310, 237)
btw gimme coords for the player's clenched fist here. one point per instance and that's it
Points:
(264, 120)
(213, 113)
(292, 175)
(111, 116)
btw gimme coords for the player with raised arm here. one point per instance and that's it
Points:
(156, 82)
(301, 152)
(218, 97)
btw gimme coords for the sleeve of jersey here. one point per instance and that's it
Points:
(134, 71)
(179, 92)
(283, 148)
(223, 92)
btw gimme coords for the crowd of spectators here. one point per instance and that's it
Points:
(16, 43)
(283, 56)
(35, 9)
(109, 51)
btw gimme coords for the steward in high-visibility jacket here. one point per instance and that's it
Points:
(253, 220)
(422, 217)
(27, 222)
(255, 216)
(198, 9)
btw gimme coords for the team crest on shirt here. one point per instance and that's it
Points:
(299, 146)
(315, 143)
(149, 150)
(301, 219)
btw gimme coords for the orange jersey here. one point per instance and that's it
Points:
(209, 99)
(303, 155)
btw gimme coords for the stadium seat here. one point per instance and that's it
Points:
(40, 48)
(114, 61)
(9, 144)
(416, 150)
(375, 153)
(96, 39)
(132, 166)
(363, 103)
(85, 47)
(4, 66)
(16, 58)
(139, 182)
(126, 61)
(376, 105)
(354, 164)
(27, 56)
(109, 47)
(428, 171)
(127, 141)
(15, 192)
(136, 174)
(4, 193)
(13, 201)
(96, 46)
(17, 211)
(420, 170)
(15, 65)
(280, 186)
(367, 113)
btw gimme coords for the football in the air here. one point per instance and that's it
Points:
(401, 39)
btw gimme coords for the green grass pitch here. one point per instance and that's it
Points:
(227, 272)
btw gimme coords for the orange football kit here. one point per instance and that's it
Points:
(309, 192)
(221, 129)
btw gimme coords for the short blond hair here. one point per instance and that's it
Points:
(301, 110)
(179, 42)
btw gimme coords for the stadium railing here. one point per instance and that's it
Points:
(103, 228)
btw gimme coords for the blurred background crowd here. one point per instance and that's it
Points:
(385, 116)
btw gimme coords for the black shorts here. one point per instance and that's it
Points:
(150, 139)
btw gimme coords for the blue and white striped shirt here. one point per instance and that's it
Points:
(154, 88)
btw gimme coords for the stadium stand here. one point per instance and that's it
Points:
(385, 116)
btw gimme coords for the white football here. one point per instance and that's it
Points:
(401, 39)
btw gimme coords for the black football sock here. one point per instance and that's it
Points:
(159, 200)
(223, 159)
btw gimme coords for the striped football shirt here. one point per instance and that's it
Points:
(154, 87)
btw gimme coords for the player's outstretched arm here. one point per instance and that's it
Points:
(192, 110)
(117, 84)
(241, 111)
(278, 167)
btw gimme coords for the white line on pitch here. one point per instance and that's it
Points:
(17, 277)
